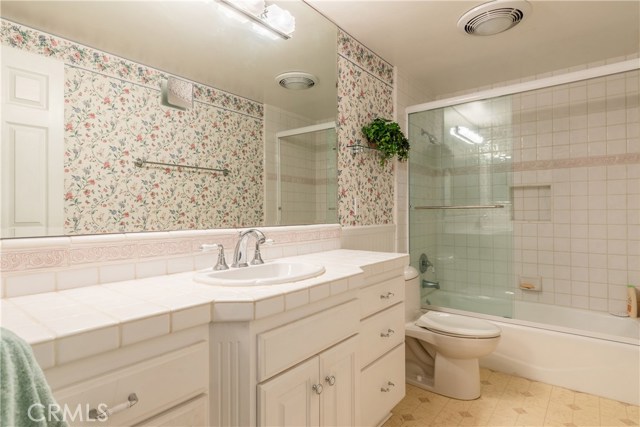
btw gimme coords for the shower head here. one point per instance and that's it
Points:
(432, 139)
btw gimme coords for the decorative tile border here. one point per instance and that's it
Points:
(22, 255)
(533, 165)
(35, 259)
(99, 254)
(618, 159)
(74, 54)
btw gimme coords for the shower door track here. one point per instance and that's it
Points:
(576, 76)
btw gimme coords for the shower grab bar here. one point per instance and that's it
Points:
(461, 207)
(141, 162)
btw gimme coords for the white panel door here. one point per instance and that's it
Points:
(289, 399)
(339, 374)
(32, 155)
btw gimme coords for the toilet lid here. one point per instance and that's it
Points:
(460, 326)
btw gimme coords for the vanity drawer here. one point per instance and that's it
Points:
(283, 347)
(380, 333)
(382, 386)
(159, 384)
(380, 296)
(190, 414)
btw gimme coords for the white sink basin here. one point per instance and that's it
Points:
(271, 273)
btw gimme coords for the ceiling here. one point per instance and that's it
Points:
(196, 40)
(192, 39)
(422, 40)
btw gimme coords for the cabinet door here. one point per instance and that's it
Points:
(339, 375)
(289, 399)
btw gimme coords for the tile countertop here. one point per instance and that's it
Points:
(72, 324)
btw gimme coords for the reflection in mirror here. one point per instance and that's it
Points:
(85, 103)
(306, 177)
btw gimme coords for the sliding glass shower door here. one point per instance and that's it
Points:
(460, 214)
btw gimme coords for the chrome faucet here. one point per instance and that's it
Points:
(430, 284)
(240, 252)
(425, 265)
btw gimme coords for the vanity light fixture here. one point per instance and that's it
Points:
(273, 18)
(467, 135)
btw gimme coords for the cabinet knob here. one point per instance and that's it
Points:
(317, 388)
(388, 333)
(387, 387)
(330, 379)
(388, 295)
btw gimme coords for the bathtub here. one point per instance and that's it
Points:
(581, 350)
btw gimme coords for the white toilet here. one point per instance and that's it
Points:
(442, 349)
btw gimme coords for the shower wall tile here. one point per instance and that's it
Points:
(592, 176)
(580, 143)
(303, 164)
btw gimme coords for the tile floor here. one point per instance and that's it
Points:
(512, 401)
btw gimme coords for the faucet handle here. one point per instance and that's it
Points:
(221, 264)
(257, 257)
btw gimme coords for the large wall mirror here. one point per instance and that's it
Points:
(82, 104)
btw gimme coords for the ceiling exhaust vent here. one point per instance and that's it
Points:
(297, 80)
(494, 17)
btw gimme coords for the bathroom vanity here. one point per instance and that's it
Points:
(322, 351)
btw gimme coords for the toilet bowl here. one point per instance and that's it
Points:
(442, 349)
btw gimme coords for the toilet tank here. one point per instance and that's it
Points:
(411, 294)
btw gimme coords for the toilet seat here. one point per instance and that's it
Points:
(457, 326)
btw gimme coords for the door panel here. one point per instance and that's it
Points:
(289, 400)
(339, 365)
(32, 155)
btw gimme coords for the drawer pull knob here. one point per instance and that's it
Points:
(388, 295)
(387, 388)
(94, 414)
(330, 379)
(317, 388)
(388, 333)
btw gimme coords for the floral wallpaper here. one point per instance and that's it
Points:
(350, 49)
(365, 91)
(113, 116)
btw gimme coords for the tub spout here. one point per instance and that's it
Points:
(428, 284)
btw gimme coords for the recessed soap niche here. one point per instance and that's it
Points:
(533, 284)
(531, 202)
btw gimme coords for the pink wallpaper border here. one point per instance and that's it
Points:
(355, 52)
(78, 55)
